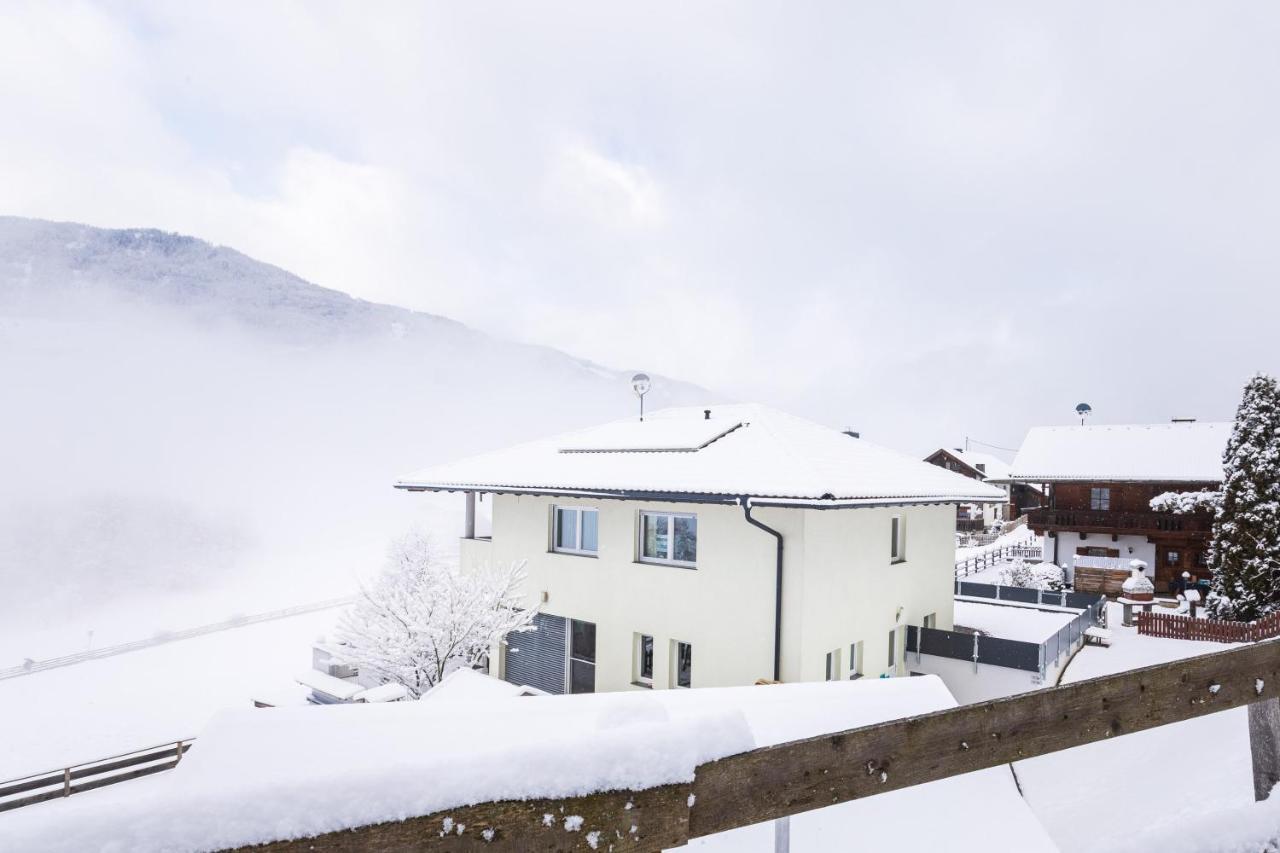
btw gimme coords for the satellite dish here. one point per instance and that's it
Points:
(641, 383)
(1084, 410)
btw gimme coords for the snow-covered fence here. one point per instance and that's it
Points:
(991, 557)
(790, 778)
(1187, 628)
(55, 784)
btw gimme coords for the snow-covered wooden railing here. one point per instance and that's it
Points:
(791, 778)
(55, 784)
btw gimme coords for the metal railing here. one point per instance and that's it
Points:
(56, 784)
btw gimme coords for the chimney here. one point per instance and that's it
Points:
(706, 414)
(852, 433)
(1184, 420)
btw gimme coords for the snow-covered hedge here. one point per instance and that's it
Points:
(1183, 503)
(1044, 576)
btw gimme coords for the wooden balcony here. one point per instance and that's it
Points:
(1104, 521)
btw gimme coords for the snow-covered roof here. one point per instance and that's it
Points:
(679, 454)
(322, 769)
(1172, 452)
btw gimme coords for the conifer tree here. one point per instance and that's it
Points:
(1245, 554)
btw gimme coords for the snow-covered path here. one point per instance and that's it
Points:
(1143, 791)
(163, 693)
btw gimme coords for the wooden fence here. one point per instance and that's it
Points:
(792, 778)
(55, 784)
(1178, 627)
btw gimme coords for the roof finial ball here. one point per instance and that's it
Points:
(641, 383)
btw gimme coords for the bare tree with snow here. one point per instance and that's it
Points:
(423, 618)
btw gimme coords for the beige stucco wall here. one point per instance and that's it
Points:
(839, 585)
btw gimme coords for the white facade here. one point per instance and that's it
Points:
(841, 588)
(1061, 549)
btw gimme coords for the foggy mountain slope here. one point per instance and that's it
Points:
(181, 423)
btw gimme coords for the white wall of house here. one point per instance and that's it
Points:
(1061, 549)
(840, 586)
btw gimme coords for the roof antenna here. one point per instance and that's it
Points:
(1084, 410)
(641, 383)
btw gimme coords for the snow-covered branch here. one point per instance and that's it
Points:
(1184, 503)
(422, 618)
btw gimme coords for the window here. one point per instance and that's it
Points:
(893, 649)
(582, 657)
(931, 620)
(855, 660)
(682, 668)
(576, 530)
(1171, 558)
(643, 660)
(668, 538)
(898, 540)
(833, 666)
(1100, 498)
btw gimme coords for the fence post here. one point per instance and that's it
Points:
(178, 757)
(782, 835)
(1264, 746)
(66, 781)
(975, 652)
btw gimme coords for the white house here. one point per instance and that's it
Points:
(713, 547)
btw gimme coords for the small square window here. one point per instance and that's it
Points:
(575, 530)
(1100, 499)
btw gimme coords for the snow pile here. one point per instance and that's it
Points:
(288, 773)
(1044, 576)
(277, 773)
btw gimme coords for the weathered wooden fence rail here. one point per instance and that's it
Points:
(55, 784)
(792, 778)
(1178, 627)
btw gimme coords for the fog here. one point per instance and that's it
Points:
(168, 464)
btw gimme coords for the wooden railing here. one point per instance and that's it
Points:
(1173, 626)
(791, 778)
(55, 784)
(1106, 521)
(992, 556)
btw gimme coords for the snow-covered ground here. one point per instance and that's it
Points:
(1022, 535)
(1165, 789)
(161, 694)
(1010, 621)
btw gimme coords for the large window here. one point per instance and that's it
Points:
(668, 538)
(898, 539)
(582, 657)
(643, 660)
(1100, 498)
(682, 664)
(576, 530)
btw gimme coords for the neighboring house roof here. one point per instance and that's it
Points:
(679, 454)
(1173, 452)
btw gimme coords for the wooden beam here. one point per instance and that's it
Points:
(792, 778)
(795, 777)
(622, 821)
(1264, 745)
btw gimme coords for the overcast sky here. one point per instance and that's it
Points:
(923, 220)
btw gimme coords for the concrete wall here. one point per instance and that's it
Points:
(839, 585)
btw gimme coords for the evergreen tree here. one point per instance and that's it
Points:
(1245, 555)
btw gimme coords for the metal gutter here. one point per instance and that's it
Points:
(777, 602)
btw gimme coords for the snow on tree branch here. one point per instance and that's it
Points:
(422, 618)
(1185, 503)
